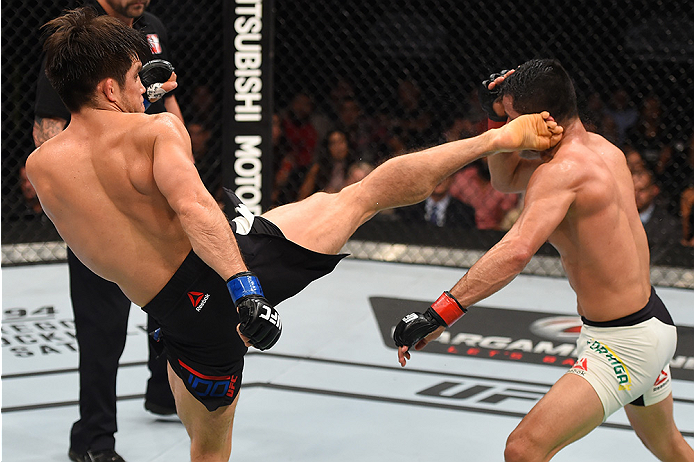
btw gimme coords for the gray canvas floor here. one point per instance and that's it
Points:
(331, 389)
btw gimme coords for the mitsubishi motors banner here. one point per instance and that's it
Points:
(248, 100)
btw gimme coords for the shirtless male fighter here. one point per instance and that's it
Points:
(580, 198)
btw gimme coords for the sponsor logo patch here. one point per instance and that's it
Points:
(198, 299)
(209, 385)
(154, 44)
(620, 370)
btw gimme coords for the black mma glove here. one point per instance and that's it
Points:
(415, 326)
(153, 75)
(260, 321)
(488, 97)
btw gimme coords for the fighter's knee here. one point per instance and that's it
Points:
(520, 448)
(670, 448)
(208, 453)
(356, 198)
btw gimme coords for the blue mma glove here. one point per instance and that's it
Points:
(153, 75)
(260, 321)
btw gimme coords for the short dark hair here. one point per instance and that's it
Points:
(83, 48)
(542, 85)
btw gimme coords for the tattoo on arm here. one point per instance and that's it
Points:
(46, 128)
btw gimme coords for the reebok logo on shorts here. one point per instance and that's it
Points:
(580, 368)
(662, 380)
(198, 299)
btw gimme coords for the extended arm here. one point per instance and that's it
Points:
(550, 194)
(547, 202)
(209, 231)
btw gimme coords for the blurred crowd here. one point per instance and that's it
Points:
(324, 144)
(327, 144)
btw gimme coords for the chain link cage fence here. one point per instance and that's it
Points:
(364, 81)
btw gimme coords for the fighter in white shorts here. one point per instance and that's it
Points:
(627, 360)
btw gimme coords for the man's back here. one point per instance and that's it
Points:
(97, 185)
(601, 240)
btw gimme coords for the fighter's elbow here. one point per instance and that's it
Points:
(519, 255)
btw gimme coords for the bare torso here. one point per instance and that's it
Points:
(96, 183)
(601, 241)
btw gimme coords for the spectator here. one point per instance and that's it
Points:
(474, 112)
(357, 172)
(635, 162)
(623, 113)
(687, 201)
(473, 186)
(598, 120)
(329, 172)
(301, 141)
(648, 134)
(279, 150)
(662, 229)
(207, 161)
(202, 105)
(351, 121)
(440, 209)
(677, 173)
(461, 127)
(340, 92)
(593, 113)
(411, 121)
(687, 214)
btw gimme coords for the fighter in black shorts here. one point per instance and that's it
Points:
(195, 314)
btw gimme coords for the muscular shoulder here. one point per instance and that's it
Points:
(164, 124)
(33, 162)
(565, 169)
(49, 149)
(42, 163)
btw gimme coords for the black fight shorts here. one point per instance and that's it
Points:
(198, 319)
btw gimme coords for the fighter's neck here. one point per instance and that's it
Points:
(94, 115)
(573, 130)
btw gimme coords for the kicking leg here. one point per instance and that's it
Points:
(324, 222)
(656, 428)
(209, 432)
(569, 411)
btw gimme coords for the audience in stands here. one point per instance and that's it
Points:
(473, 186)
(440, 209)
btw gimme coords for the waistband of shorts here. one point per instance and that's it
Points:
(191, 269)
(655, 308)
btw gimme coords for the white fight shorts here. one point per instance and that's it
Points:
(627, 360)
